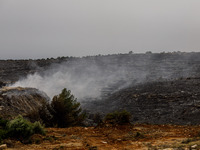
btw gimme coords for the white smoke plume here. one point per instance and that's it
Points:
(84, 77)
(89, 77)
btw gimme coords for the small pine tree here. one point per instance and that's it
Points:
(66, 110)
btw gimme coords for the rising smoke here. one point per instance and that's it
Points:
(85, 78)
(91, 77)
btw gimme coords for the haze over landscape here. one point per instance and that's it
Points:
(100, 74)
(48, 28)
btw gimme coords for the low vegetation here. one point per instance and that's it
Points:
(19, 128)
(22, 128)
(118, 117)
(63, 111)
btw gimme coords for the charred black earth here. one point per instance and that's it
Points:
(163, 102)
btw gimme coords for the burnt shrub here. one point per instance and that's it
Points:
(118, 117)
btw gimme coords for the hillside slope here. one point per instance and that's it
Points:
(148, 85)
(20, 101)
(167, 102)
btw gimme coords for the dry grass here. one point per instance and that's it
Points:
(124, 137)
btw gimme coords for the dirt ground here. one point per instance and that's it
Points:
(125, 137)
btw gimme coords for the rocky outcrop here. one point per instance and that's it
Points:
(15, 101)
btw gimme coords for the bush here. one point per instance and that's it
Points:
(3, 122)
(118, 117)
(3, 131)
(38, 128)
(66, 110)
(21, 128)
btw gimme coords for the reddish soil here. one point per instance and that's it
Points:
(126, 137)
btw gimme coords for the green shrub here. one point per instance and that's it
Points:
(118, 117)
(38, 128)
(21, 128)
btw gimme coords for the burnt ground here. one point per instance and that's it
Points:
(163, 102)
(125, 137)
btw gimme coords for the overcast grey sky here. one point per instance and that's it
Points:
(51, 28)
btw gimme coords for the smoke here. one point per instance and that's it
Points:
(85, 78)
(97, 76)
(53, 83)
